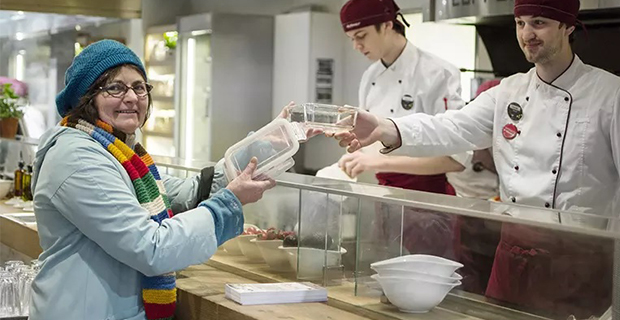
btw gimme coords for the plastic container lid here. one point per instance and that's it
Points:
(273, 145)
(328, 117)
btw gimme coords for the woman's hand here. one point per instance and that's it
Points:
(246, 189)
(354, 164)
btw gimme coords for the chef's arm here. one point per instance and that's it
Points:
(422, 135)
(419, 166)
(356, 163)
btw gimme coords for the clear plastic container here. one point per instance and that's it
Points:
(273, 145)
(328, 117)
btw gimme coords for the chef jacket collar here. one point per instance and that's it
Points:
(568, 77)
(407, 58)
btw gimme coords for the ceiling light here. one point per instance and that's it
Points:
(19, 36)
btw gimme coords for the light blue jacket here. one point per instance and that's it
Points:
(98, 241)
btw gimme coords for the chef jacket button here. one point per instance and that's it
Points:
(516, 168)
(559, 134)
(513, 199)
(554, 171)
(547, 205)
(392, 110)
(400, 81)
(527, 98)
(373, 83)
(368, 110)
(566, 99)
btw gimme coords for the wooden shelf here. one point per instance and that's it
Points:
(456, 306)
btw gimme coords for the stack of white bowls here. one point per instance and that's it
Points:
(417, 283)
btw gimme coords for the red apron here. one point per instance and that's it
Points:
(424, 231)
(434, 183)
(552, 271)
(479, 240)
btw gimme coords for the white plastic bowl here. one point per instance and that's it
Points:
(421, 263)
(5, 187)
(232, 247)
(250, 249)
(412, 295)
(275, 258)
(312, 260)
(412, 274)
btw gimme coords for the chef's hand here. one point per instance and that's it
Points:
(368, 130)
(354, 164)
(310, 132)
(246, 189)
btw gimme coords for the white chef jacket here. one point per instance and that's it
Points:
(422, 82)
(416, 76)
(567, 154)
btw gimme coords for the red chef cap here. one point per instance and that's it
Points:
(560, 10)
(357, 14)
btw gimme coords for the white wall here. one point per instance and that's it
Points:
(457, 45)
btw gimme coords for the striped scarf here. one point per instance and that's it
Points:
(159, 292)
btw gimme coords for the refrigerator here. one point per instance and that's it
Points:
(223, 84)
(159, 61)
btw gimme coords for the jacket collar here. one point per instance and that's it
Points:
(569, 76)
(407, 59)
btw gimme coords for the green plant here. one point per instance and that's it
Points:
(8, 103)
(170, 39)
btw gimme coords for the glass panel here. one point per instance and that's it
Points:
(195, 94)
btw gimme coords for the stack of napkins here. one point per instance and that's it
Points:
(273, 293)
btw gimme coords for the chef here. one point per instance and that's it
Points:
(403, 79)
(555, 132)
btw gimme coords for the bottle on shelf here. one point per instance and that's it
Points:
(18, 176)
(26, 190)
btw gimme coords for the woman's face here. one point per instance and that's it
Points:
(124, 111)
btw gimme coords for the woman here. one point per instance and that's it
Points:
(108, 222)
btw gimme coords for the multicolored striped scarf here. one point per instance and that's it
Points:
(158, 293)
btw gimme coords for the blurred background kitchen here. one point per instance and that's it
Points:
(223, 68)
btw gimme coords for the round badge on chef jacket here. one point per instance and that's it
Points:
(510, 131)
(407, 102)
(515, 112)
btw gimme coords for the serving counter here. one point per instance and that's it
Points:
(368, 223)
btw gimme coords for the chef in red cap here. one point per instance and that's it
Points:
(555, 133)
(403, 80)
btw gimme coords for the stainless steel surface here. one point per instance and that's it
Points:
(110, 8)
(443, 203)
(472, 11)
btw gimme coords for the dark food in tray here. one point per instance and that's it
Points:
(316, 240)
(272, 234)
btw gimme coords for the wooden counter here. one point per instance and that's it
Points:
(201, 291)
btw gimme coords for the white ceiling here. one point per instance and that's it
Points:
(32, 23)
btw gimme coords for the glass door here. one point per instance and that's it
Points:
(195, 95)
(158, 132)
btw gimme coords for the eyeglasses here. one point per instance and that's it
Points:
(119, 89)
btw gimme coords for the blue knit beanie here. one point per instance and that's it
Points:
(88, 66)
